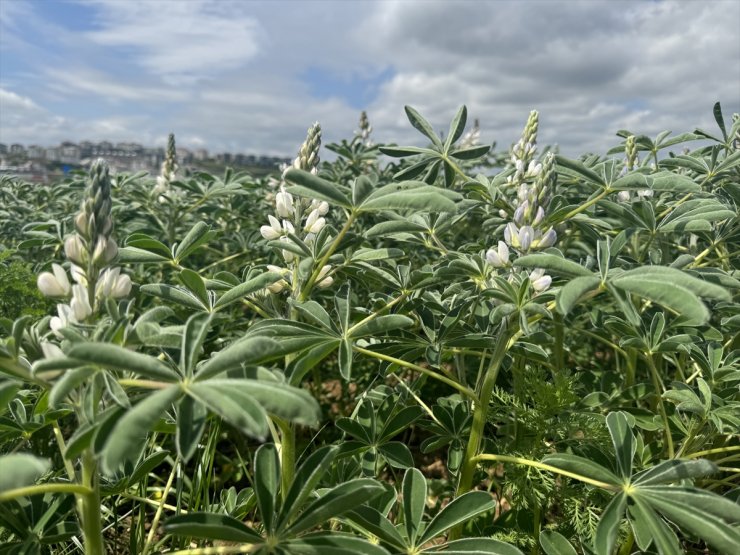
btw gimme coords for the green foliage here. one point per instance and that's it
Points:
(454, 351)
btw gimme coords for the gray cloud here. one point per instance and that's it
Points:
(233, 75)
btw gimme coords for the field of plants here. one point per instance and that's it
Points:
(434, 348)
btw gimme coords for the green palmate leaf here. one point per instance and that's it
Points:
(577, 169)
(673, 276)
(374, 522)
(127, 255)
(623, 441)
(394, 226)
(403, 151)
(249, 350)
(554, 543)
(606, 531)
(332, 543)
(345, 358)
(211, 526)
(476, 546)
(361, 188)
(422, 125)
(457, 126)
(266, 483)
(196, 237)
(571, 292)
(411, 195)
(69, 381)
(233, 405)
(306, 184)
(414, 501)
(669, 181)
(146, 466)
(397, 454)
(471, 153)
(674, 297)
(292, 403)
(21, 469)
(191, 421)
(173, 294)
(107, 355)
(460, 510)
(143, 241)
(382, 324)
(306, 479)
(663, 537)
(195, 284)
(552, 263)
(674, 470)
(129, 433)
(8, 390)
(582, 466)
(336, 502)
(700, 512)
(196, 330)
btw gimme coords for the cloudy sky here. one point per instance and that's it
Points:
(251, 76)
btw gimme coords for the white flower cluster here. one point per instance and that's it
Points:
(363, 133)
(630, 161)
(304, 215)
(533, 181)
(90, 252)
(169, 171)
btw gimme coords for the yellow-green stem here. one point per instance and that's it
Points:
(287, 454)
(426, 371)
(92, 528)
(324, 259)
(661, 406)
(158, 514)
(39, 489)
(547, 467)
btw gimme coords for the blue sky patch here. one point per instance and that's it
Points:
(358, 91)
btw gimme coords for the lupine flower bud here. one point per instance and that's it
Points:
(526, 235)
(539, 280)
(112, 283)
(54, 284)
(548, 239)
(314, 222)
(322, 280)
(272, 231)
(284, 204)
(498, 258)
(80, 303)
(623, 196)
(63, 319)
(51, 351)
(278, 286)
(75, 249)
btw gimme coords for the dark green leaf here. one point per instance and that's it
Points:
(211, 526)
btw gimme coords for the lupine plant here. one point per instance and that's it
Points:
(435, 348)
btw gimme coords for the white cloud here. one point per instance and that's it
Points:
(178, 39)
(233, 75)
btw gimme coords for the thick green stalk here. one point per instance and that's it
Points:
(91, 518)
(335, 244)
(287, 454)
(480, 412)
(659, 393)
(426, 371)
(39, 489)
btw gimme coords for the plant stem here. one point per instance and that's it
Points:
(375, 314)
(426, 371)
(335, 244)
(480, 414)
(661, 405)
(91, 517)
(158, 514)
(699, 454)
(39, 489)
(287, 454)
(549, 468)
(587, 204)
